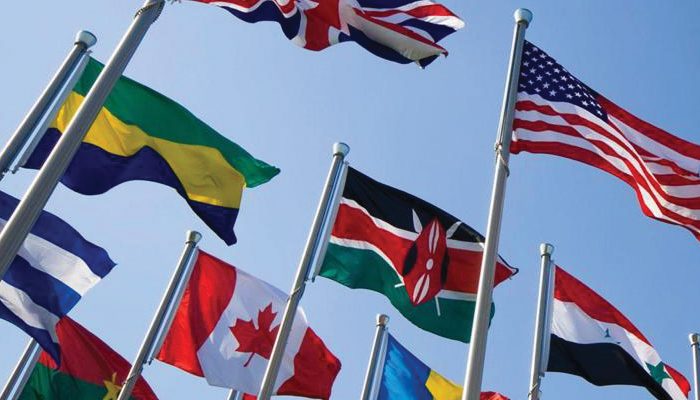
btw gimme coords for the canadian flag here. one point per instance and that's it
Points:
(225, 327)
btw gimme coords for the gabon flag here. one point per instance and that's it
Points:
(226, 325)
(89, 370)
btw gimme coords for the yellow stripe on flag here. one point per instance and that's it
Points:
(203, 172)
(442, 388)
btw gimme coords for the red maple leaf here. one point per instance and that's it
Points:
(254, 340)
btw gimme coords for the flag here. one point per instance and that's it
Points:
(558, 114)
(590, 338)
(226, 326)
(403, 31)
(404, 376)
(53, 269)
(140, 134)
(423, 259)
(89, 370)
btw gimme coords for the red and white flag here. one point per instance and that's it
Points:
(225, 328)
(558, 114)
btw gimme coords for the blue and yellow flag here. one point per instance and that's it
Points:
(406, 377)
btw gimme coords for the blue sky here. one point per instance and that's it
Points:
(429, 132)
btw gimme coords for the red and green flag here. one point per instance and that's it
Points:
(426, 261)
(89, 370)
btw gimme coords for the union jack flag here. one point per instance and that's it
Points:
(403, 31)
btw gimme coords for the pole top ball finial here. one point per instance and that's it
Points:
(341, 148)
(86, 38)
(193, 237)
(546, 249)
(694, 339)
(523, 15)
(382, 319)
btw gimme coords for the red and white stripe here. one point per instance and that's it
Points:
(664, 170)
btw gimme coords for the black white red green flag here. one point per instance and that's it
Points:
(592, 339)
(423, 259)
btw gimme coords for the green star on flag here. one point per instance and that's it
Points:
(658, 372)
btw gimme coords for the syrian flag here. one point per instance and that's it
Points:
(592, 339)
(89, 370)
(226, 325)
(426, 261)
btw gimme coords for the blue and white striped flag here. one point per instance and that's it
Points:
(54, 268)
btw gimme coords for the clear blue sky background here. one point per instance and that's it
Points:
(429, 132)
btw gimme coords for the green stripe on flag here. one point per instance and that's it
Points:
(49, 384)
(164, 118)
(365, 269)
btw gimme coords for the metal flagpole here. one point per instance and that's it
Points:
(482, 313)
(21, 372)
(83, 41)
(182, 272)
(309, 257)
(28, 210)
(541, 322)
(695, 345)
(235, 395)
(370, 378)
(40, 129)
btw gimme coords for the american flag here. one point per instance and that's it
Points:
(558, 114)
(403, 31)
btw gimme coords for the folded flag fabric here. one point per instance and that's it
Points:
(140, 134)
(53, 269)
(89, 370)
(404, 376)
(590, 338)
(403, 31)
(423, 259)
(558, 114)
(225, 328)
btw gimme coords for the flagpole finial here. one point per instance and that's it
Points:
(341, 148)
(694, 339)
(382, 319)
(193, 237)
(546, 249)
(86, 38)
(523, 15)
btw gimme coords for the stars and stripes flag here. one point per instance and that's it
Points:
(558, 114)
(403, 31)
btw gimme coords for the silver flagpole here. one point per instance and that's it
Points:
(182, 272)
(21, 372)
(40, 129)
(482, 313)
(695, 345)
(370, 378)
(83, 41)
(306, 265)
(28, 210)
(234, 395)
(541, 322)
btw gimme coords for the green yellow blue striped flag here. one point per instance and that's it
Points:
(139, 134)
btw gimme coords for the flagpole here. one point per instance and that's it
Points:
(29, 208)
(234, 395)
(482, 313)
(541, 322)
(695, 346)
(307, 264)
(83, 41)
(177, 283)
(20, 374)
(379, 335)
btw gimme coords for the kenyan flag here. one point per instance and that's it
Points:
(89, 370)
(423, 259)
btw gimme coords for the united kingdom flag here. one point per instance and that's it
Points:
(403, 31)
